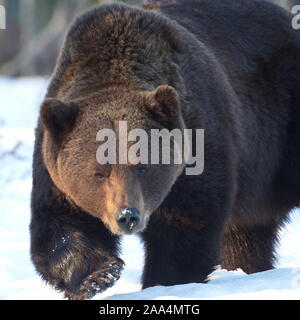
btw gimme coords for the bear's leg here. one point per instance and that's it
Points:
(249, 248)
(183, 237)
(72, 250)
(178, 252)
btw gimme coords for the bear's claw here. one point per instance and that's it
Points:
(98, 281)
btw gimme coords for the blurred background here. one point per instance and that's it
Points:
(35, 31)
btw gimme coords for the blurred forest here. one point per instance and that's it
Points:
(35, 30)
(34, 33)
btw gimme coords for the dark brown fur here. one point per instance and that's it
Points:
(229, 67)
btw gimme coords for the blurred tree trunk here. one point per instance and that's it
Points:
(27, 31)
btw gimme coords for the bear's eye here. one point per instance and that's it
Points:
(99, 176)
(140, 171)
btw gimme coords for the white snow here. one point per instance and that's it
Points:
(19, 104)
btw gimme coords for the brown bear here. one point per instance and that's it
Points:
(230, 67)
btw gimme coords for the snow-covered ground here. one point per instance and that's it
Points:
(18, 111)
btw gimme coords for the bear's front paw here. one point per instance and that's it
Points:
(99, 280)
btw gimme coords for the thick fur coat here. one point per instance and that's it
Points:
(229, 67)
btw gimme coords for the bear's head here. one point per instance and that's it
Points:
(123, 195)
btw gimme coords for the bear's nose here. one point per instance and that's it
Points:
(128, 218)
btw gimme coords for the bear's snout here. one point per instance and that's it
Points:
(128, 219)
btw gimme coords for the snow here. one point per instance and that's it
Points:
(20, 99)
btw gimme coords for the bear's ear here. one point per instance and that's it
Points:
(164, 101)
(58, 118)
